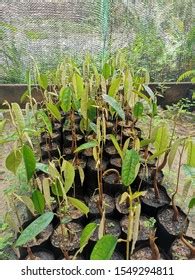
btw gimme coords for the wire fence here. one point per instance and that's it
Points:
(155, 34)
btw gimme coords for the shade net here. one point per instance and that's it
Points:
(157, 35)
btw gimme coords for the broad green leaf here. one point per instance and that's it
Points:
(130, 167)
(162, 138)
(85, 146)
(191, 153)
(149, 91)
(93, 126)
(43, 116)
(46, 192)
(65, 97)
(38, 201)
(29, 161)
(97, 76)
(87, 233)
(107, 70)
(157, 154)
(78, 85)
(115, 105)
(138, 110)
(18, 116)
(128, 85)
(116, 145)
(114, 87)
(56, 189)
(173, 151)
(13, 161)
(191, 203)
(84, 103)
(42, 167)
(81, 174)
(79, 205)
(104, 248)
(53, 172)
(69, 175)
(29, 203)
(53, 109)
(34, 229)
(42, 81)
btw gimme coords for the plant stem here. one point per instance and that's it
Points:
(156, 190)
(154, 248)
(175, 209)
(130, 216)
(190, 246)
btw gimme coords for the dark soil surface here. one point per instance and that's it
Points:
(144, 230)
(173, 227)
(180, 251)
(144, 254)
(93, 204)
(69, 239)
(111, 227)
(150, 198)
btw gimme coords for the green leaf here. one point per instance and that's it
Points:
(130, 167)
(29, 161)
(18, 116)
(13, 161)
(114, 88)
(116, 145)
(79, 205)
(173, 151)
(162, 138)
(78, 85)
(191, 153)
(42, 81)
(42, 167)
(43, 116)
(104, 248)
(54, 111)
(65, 97)
(115, 105)
(191, 203)
(34, 229)
(46, 191)
(87, 233)
(84, 103)
(38, 201)
(57, 189)
(107, 70)
(138, 110)
(69, 175)
(149, 91)
(85, 146)
(81, 174)
(29, 203)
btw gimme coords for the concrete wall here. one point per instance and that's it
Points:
(173, 93)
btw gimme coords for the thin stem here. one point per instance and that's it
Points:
(176, 212)
(190, 246)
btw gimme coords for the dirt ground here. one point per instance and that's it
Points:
(185, 126)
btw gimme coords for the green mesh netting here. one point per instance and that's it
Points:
(154, 34)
